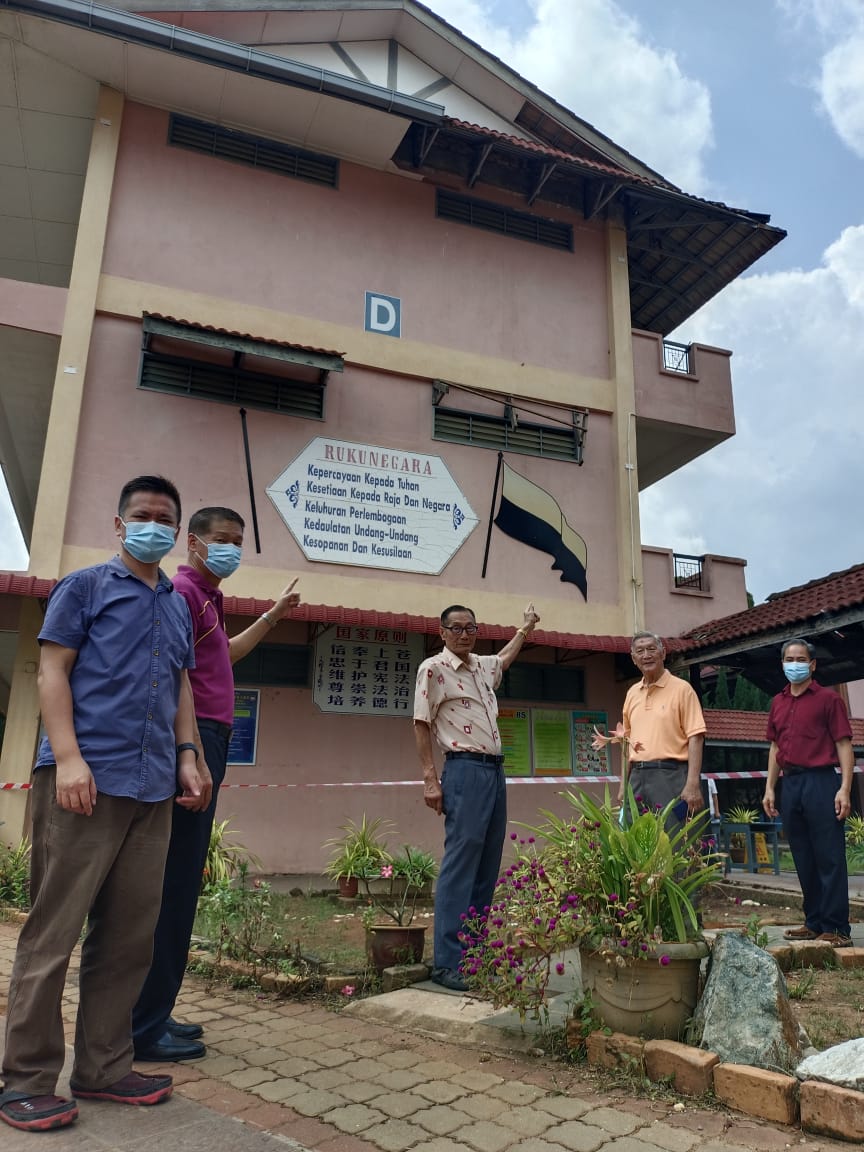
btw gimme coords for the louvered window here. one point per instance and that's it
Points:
(546, 682)
(231, 368)
(555, 441)
(507, 221)
(257, 152)
(230, 386)
(275, 664)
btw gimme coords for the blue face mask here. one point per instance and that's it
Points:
(223, 560)
(148, 541)
(796, 673)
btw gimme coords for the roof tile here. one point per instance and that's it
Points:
(795, 606)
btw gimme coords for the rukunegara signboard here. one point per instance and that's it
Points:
(373, 507)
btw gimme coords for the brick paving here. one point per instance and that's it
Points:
(286, 1074)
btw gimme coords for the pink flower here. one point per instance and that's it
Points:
(348, 990)
(386, 871)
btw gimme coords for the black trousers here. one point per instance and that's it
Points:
(184, 867)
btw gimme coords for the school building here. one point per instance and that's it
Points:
(333, 264)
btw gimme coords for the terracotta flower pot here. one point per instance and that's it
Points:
(642, 997)
(348, 886)
(388, 945)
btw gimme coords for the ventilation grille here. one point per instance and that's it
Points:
(495, 432)
(496, 218)
(275, 664)
(255, 151)
(231, 386)
(544, 682)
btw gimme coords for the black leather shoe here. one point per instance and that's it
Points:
(170, 1048)
(184, 1031)
(448, 978)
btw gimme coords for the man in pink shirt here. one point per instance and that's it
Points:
(455, 701)
(214, 553)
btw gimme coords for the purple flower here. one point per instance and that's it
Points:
(559, 968)
(513, 836)
(518, 978)
(612, 897)
(664, 960)
(624, 943)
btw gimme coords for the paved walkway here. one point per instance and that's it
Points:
(284, 1074)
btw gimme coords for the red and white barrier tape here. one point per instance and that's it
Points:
(9, 787)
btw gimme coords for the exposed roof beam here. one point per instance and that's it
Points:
(545, 172)
(481, 160)
(423, 143)
(605, 191)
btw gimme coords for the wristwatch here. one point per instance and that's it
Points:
(187, 748)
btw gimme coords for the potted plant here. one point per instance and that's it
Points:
(614, 885)
(358, 852)
(737, 821)
(391, 936)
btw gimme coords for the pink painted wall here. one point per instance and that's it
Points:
(671, 611)
(198, 444)
(35, 307)
(856, 697)
(206, 225)
(700, 400)
(299, 745)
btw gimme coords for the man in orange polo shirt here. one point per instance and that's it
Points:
(662, 714)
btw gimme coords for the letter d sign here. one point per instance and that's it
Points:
(383, 314)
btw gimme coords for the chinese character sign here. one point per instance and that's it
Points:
(366, 671)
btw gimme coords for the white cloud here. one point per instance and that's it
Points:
(784, 493)
(598, 62)
(841, 86)
(839, 25)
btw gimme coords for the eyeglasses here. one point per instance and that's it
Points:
(458, 629)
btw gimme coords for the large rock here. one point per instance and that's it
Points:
(842, 1065)
(744, 1014)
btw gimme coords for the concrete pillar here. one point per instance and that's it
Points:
(630, 581)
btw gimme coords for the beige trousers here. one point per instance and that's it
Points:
(105, 869)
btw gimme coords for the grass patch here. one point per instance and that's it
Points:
(829, 1002)
(315, 927)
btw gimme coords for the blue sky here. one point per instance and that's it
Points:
(760, 104)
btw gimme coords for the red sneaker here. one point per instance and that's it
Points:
(132, 1089)
(36, 1113)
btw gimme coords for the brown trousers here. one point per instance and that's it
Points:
(105, 869)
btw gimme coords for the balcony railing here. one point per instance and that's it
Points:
(688, 571)
(676, 357)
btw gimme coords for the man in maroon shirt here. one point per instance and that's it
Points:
(214, 552)
(810, 734)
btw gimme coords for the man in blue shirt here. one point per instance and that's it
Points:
(117, 710)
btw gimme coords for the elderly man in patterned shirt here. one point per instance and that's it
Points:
(455, 701)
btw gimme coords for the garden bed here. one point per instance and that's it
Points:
(327, 939)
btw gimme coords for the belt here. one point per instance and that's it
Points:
(479, 757)
(658, 763)
(214, 726)
(797, 769)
